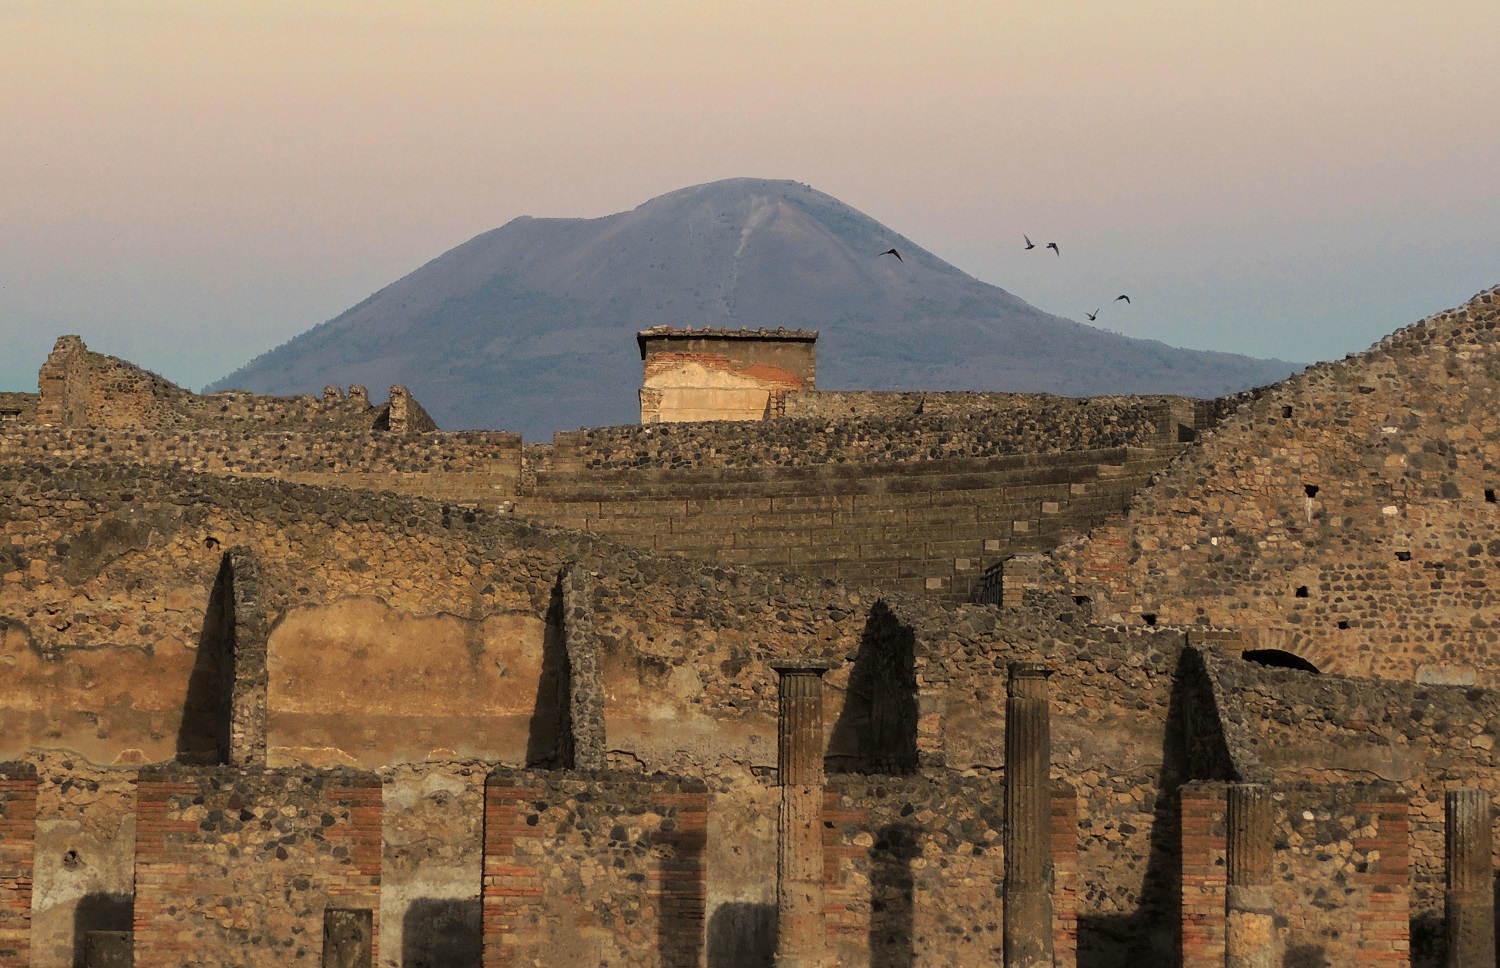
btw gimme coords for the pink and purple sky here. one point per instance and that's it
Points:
(188, 184)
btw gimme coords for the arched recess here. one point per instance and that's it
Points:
(1278, 659)
(1295, 647)
(877, 730)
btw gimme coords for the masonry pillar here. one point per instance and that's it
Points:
(1028, 814)
(1250, 929)
(800, 941)
(1471, 885)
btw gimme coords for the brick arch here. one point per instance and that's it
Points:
(1295, 642)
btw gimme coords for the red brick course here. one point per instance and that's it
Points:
(17, 848)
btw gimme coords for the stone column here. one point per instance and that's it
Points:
(1028, 817)
(800, 939)
(1250, 929)
(1471, 883)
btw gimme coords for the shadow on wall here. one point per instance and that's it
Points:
(679, 920)
(203, 736)
(1429, 940)
(549, 742)
(877, 730)
(1193, 748)
(102, 925)
(1305, 956)
(742, 934)
(443, 933)
(891, 900)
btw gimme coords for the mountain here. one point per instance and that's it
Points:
(531, 326)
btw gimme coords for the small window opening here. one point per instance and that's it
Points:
(1149, 618)
(1343, 624)
(1301, 591)
(1286, 413)
(1311, 490)
(1489, 495)
(1081, 600)
(1278, 659)
(1403, 556)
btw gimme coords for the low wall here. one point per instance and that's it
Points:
(584, 869)
(902, 430)
(915, 871)
(1296, 729)
(467, 466)
(1339, 874)
(238, 867)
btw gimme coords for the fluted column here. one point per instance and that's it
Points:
(1250, 930)
(1471, 883)
(1028, 817)
(799, 848)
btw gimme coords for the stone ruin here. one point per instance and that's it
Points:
(888, 680)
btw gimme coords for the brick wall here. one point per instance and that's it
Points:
(914, 871)
(1205, 873)
(18, 792)
(594, 868)
(237, 868)
(1340, 874)
(1066, 876)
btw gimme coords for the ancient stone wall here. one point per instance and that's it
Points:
(239, 867)
(85, 858)
(405, 415)
(1348, 515)
(594, 869)
(930, 527)
(1175, 417)
(108, 562)
(80, 388)
(1339, 873)
(989, 425)
(915, 866)
(17, 409)
(468, 466)
(1289, 728)
(432, 866)
(17, 849)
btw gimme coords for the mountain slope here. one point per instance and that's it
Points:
(531, 326)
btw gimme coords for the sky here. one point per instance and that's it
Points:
(189, 184)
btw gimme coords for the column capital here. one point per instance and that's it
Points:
(810, 667)
(1030, 669)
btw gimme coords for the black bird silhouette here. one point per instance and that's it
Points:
(1093, 315)
(1122, 296)
(892, 252)
(1029, 244)
(1054, 248)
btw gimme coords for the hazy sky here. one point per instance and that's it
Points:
(189, 184)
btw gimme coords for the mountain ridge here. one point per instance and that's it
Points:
(530, 326)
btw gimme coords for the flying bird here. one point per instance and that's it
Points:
(1093, 315)
(1124, 297)
(1029, 244)
(1054, 248)
(892, 252)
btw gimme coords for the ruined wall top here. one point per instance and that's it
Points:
(80, 388)
(1347, 515)
(901, 428)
